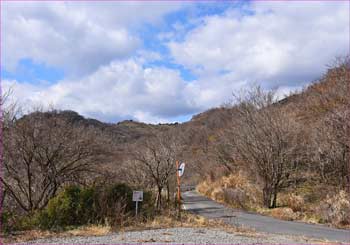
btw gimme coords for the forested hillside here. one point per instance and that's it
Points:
(258, 153)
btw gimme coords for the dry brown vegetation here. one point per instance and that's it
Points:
(336, 209)
(295, 151)
(237, 192)
(234, 190)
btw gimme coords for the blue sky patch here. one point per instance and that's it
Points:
(31, 72)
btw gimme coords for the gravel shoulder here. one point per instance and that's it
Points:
(176, 236)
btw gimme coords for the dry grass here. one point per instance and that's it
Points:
(235, 190)
(311, 218)
(170, 220)
(205, 188)
(280, 213)
(309, 205)
(293, 201)
(91, 230)
(336, 209)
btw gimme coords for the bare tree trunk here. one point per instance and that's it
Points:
(168, 193)
(274, 199)
(348, 177)
(270, 196)
(3, 199)
(348, 180)
(159, 198)
(267, 194)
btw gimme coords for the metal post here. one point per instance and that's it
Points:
(137, 207)
(178, 187)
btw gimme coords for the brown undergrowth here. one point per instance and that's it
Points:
(309, 203)
(233, 190)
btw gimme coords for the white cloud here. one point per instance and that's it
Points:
(23, 94)
(77, 37)
(280, 44)
(120, 90)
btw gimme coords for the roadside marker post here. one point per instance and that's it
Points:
(179, 172)
(137, 196)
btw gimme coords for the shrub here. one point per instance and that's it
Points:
(249, 195)
(119, 192)
(336, 209)
(146, 207)
(205, 188)
(7, 223)
(42, 220)
(75, 206)
(11, 222)
(295, 202)
(113, 204)
(236, 198)
(235, 189)
(313, 192)
(284, 213)
(218, 194)
(87, 209)
(62, 210)
(78, 206)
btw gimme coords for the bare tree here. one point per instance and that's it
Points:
(10, 109)
(332, 149)
(225, 158)
(156, 157)
(265, 138)
(42, 152)
(331, 134)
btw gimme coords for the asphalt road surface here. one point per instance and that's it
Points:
(198, 204)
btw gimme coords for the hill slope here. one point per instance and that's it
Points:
(204, 131)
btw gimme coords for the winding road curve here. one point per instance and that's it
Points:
(198, 204)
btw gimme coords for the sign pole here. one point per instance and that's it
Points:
(178, 187)
(137, 196)
(137, 207)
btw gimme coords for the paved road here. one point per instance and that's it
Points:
(208, 208)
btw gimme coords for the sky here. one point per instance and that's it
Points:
(160, 62)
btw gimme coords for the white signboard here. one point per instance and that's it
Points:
(137, 196)
(181, 169)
